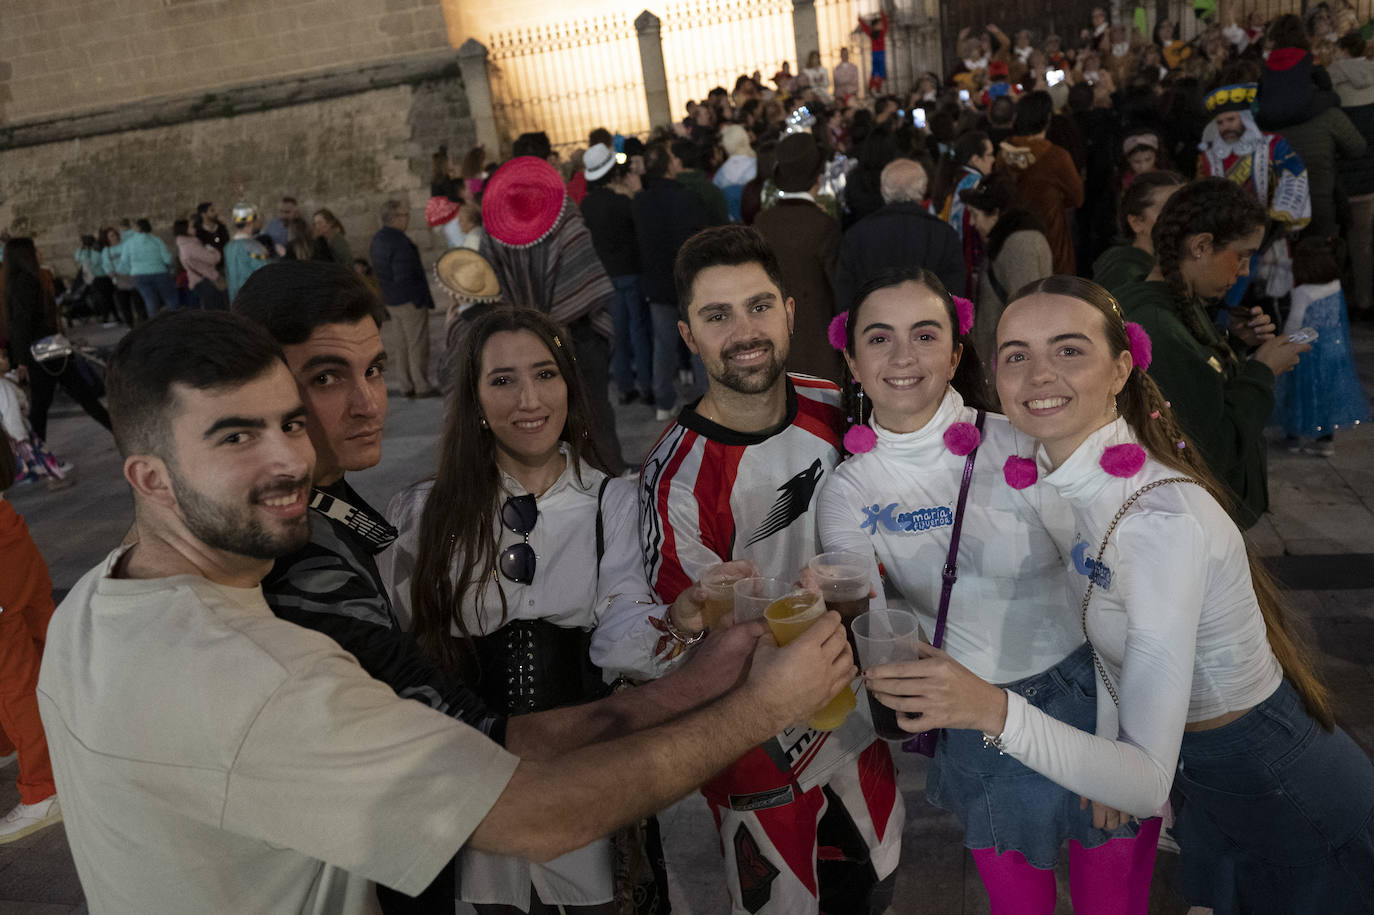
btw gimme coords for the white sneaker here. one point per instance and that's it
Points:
(28, 818)
(662, 415)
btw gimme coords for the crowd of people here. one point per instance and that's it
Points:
(1012, 338)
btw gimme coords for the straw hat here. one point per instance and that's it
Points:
(467, 276)
(522, 202)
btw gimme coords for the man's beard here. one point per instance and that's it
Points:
(755, 379)
(222, 528)
(1231, 136)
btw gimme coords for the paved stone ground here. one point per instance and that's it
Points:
(1319, 539)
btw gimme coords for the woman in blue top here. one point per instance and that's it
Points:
(91, 261)
(144, 256)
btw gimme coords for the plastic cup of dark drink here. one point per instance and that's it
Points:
(881, 637)
(753, 595)
(843, 578)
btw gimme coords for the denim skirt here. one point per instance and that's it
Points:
(1274, 814)
(1003, 804)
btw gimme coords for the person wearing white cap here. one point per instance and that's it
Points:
(611, 222)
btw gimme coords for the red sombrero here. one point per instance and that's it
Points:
(522, 202)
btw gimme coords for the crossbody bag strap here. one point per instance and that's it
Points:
(600, 525)
(950, 573)
(1097, 564)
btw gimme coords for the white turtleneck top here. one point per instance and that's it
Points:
(1010, 614)
(1173, 617)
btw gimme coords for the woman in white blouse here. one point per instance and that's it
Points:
(1202, 690)
(1008, 617)
(509, 557)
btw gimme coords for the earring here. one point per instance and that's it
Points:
(482, 421)
(860, 437)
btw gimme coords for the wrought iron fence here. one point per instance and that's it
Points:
(708, 43)
(568, 78)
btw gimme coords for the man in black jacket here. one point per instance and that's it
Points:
(901, 234)
(401, 274)
(666, 215)
(609, 216)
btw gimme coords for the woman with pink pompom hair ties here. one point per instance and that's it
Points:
(1204, 698)
(977, 561)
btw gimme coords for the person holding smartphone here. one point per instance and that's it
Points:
(1221, 385)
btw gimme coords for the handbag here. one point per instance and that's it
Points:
(1097, 563)
(50, 348)
(924, 742)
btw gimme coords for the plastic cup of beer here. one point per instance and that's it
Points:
(843, 578)
(719, 584)
(753, 595)
(789, 617)
(882, 637)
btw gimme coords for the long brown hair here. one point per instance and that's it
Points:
(331, 219)
(458, 545)
(1142, 405)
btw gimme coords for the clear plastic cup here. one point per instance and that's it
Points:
(789, 617)
(753, 595)
(843, 578)
(881, 637)
(719, 584)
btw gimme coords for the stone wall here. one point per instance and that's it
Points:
(347, 152)
(64, 56)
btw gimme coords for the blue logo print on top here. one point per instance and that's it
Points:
(921, 519)
(1086, 565)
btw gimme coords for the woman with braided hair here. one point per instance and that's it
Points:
(1202, 691)
(1221, 385)
(1134, 257)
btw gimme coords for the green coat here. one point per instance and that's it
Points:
(1222, 403)
(1121, 264)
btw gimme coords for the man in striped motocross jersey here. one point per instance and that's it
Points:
(810, 821)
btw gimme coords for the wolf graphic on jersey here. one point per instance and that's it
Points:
(792, 504)
(797, 811)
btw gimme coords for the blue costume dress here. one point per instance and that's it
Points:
(1323, 392)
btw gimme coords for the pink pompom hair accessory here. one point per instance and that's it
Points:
(964, 309)
(860, 439)
(1141, 350)
(836, 331)
(1020, 472)
(962, 438)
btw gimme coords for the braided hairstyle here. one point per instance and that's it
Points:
(969, 379)
(1213, 205)
(1152, 420)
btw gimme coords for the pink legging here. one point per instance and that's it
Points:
(1112, 879)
